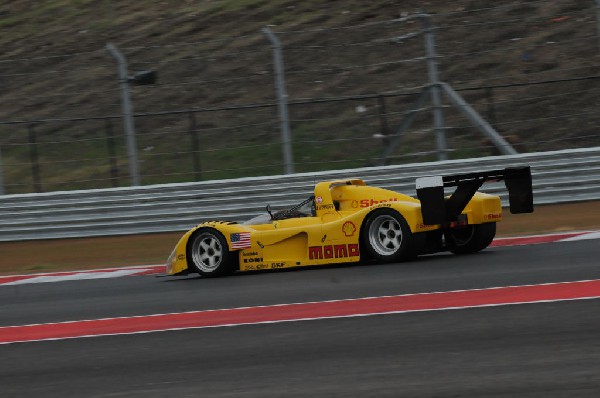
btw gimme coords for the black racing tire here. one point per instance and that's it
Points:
(472, 238)
(208, 253)
(386, 237)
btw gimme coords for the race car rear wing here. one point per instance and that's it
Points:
(437, 209)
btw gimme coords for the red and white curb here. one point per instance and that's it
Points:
(81, 275)
(348, 308)
(12, 280)
(536, 239)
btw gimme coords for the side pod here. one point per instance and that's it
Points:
(437, 209)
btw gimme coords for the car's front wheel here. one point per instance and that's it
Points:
(209, 254)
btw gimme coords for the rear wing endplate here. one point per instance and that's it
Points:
(437, 209)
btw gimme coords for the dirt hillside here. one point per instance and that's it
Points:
(211, 57)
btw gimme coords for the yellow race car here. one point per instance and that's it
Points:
(347, 221)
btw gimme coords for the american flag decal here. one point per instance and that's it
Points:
(240, 240)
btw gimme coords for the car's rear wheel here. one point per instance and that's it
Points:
(209, 254)
(472, 238)
(387, 237)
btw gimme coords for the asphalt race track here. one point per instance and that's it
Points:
(526, 350)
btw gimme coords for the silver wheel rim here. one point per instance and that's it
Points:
(207, 252)
(385, 235)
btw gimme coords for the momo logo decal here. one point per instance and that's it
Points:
(349, 228)
(333, 251)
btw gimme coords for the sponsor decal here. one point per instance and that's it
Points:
(326, 207)
(181, 257)
(424, 226)
(354, 204)
(493, 216)
(253, 260)
(319, 200)
(333, 251)
(240, 240)
(349, 228)
(258, 266)
(372, 202)
(249, 254)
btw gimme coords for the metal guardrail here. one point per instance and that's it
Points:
(558, 177)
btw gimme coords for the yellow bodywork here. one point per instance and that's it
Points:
(332, 234)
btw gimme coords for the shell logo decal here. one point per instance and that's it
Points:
(349, 228)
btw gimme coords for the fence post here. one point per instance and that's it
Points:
(195, 148)
(127, 113)
(112, 154)
(34, 159)
(598, 21)
(383, 121)
(286, 135)
(503, 146)
(1, 175)
(438, 114)
(407, 120)
(491, 111)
